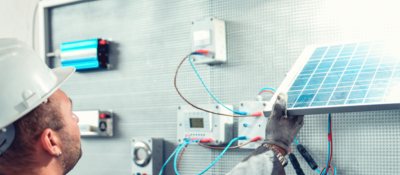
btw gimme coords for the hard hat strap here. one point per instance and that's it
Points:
(7, 135)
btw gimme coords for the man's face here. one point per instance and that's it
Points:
(70, 135)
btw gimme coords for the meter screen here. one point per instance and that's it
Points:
(196, 123)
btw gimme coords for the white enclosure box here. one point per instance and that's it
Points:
(147, 156)
(209, 34)
(194, 123)
(252, 127)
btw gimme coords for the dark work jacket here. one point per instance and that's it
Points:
(261, 161)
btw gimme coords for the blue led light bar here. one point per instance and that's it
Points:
(85, 54)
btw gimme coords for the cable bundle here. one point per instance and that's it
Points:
(330, 152)
(187, 141)
(313, 165)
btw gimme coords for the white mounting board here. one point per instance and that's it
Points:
(255, 125)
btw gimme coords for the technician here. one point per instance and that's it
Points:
(39, 134)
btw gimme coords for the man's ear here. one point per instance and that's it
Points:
(51, 142)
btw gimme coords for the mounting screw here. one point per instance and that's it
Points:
(180, 124)
(216, 141)
(216, 106)
(149, 141)
(212, 57)
(259, 125)
(215, 125)
(264, 104)
(192, 22)
(194, 59)
(211, 19)
(179, 107)
(133, 140)
(241, 104)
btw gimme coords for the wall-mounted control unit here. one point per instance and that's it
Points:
(209, 34)
(194, 123)
(85, 54)
(95, 123)
(252, 126)
(147, 156)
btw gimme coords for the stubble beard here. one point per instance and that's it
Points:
(71, 154)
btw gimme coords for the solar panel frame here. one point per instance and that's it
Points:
(310, 54)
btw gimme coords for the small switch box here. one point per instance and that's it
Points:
(209, 34)
(95, 123)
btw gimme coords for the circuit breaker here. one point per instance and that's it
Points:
(252, 126)
(147, 156)
(95, 123)
(209, 34)
(194, 123)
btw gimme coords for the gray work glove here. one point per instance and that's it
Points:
(282, 129)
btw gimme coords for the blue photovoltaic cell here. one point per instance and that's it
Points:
(356, 73)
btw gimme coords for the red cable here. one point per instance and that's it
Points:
(333, 170)
(331, 145)
(267, 90)
(290, 152)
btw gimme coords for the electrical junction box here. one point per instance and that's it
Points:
(252, 127)
(85, 54)
(209, 34)
(194, 123)
(95, 123)
(147, 156)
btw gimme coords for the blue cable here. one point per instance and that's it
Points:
(297, 142)
(319, 172)
(226, 148)
(329, 146)
(267, 88)
(212, 95)
(165, 164)
(334, 169)
(177, 152)
(329, 123)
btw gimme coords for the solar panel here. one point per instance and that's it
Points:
(344, 78)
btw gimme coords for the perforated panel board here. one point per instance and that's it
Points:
(264, 38)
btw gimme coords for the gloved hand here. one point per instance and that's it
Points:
(282, 129)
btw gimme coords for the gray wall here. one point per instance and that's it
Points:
(264, 38)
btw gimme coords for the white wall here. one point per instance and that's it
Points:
(16, 19)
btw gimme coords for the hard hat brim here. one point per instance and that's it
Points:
(62, 73)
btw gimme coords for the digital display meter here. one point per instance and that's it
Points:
(194, 123)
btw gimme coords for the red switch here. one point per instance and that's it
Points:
(144, 174)
(102, 115)
(102, 42)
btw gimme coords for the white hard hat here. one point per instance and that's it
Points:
(26, 81)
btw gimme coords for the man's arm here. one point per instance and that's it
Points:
(279, 133)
